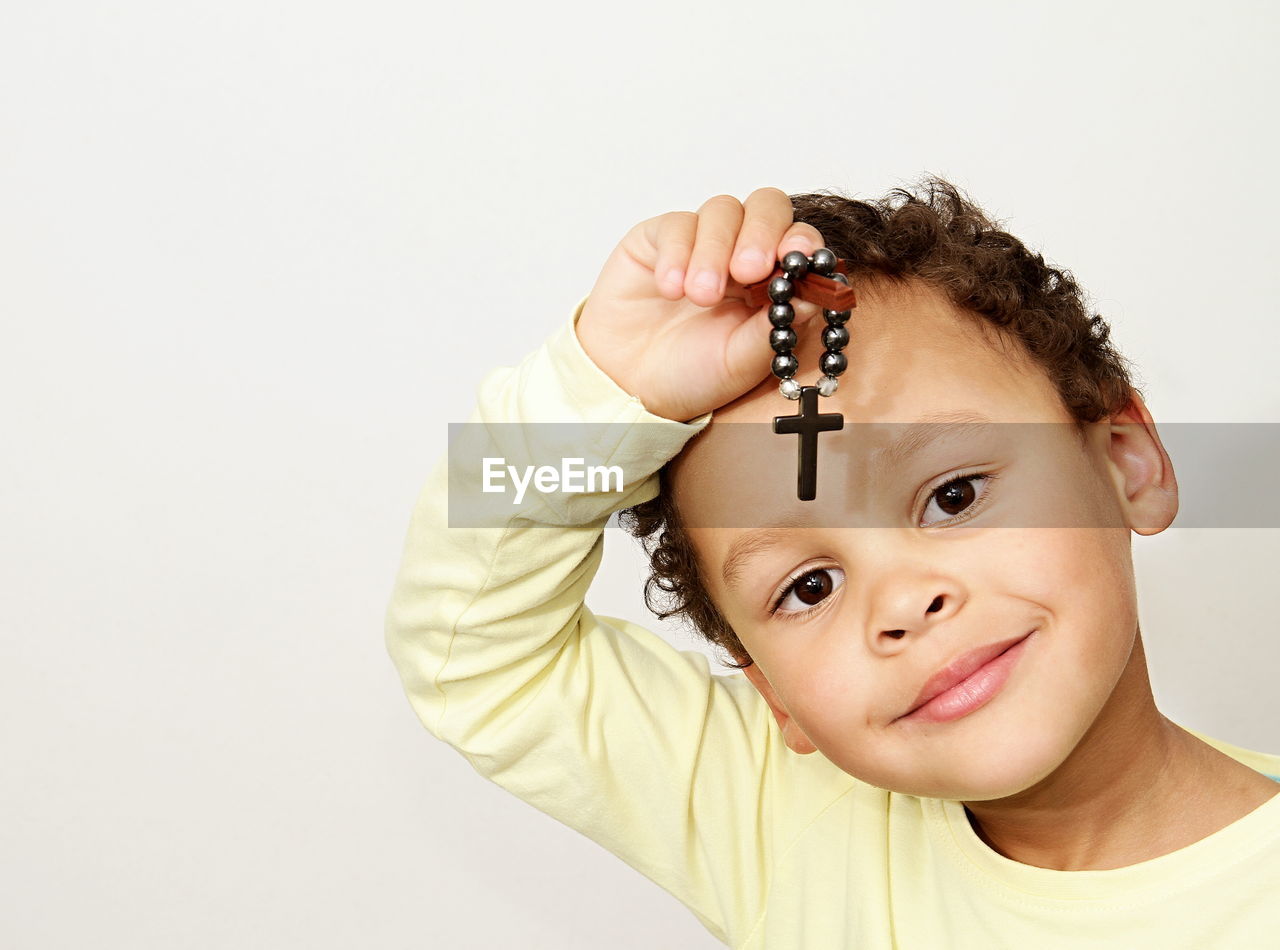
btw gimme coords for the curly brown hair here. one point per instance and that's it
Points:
(936, 236)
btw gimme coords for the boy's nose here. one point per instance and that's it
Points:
(934, 607)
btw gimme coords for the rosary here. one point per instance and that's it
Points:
(820, 280)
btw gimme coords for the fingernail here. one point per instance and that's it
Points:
(707, 280)
(752, 257)
(675, 278)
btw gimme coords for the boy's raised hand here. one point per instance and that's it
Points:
(682, 346)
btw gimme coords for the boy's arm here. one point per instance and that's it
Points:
(593, 720)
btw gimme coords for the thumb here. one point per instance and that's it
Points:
(749, 355)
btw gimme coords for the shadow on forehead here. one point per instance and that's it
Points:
(745, 476)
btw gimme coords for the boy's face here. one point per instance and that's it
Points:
(898, 579)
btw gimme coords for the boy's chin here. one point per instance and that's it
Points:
(1013, 763)
(976, 780)
(976, 768)
(992, 780)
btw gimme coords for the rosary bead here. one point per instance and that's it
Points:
(781, 290)
(781, 314)
(785, 365)
(836, 318)
(823, 262)
(782, 339)
(840, 278)
(835, 337)
(795, 265)
(828, 385)
(790, 388)
(833, 364)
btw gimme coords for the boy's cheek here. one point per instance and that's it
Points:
(1053, 489)
(1067, 572)
(1056, 539)
(1081, 580)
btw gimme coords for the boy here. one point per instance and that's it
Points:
(993, 770)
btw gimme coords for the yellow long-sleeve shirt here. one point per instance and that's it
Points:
(683, 774)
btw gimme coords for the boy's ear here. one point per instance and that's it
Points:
(797, 741)
(1141, 470)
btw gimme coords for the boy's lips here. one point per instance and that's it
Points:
(960, 669)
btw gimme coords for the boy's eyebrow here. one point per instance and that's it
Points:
(751, 544)
(915, 436)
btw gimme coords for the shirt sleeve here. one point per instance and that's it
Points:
(595, 721)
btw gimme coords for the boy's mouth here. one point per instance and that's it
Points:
(967, 682)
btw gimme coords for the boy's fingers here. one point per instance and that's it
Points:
(673, 235)
(717, 237)
(768, 214)
(719, 220)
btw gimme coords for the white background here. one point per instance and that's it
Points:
(255, 256)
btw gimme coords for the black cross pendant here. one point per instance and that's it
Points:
(807, 423)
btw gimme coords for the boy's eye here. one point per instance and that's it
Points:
(953, 498)
(808, 590)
